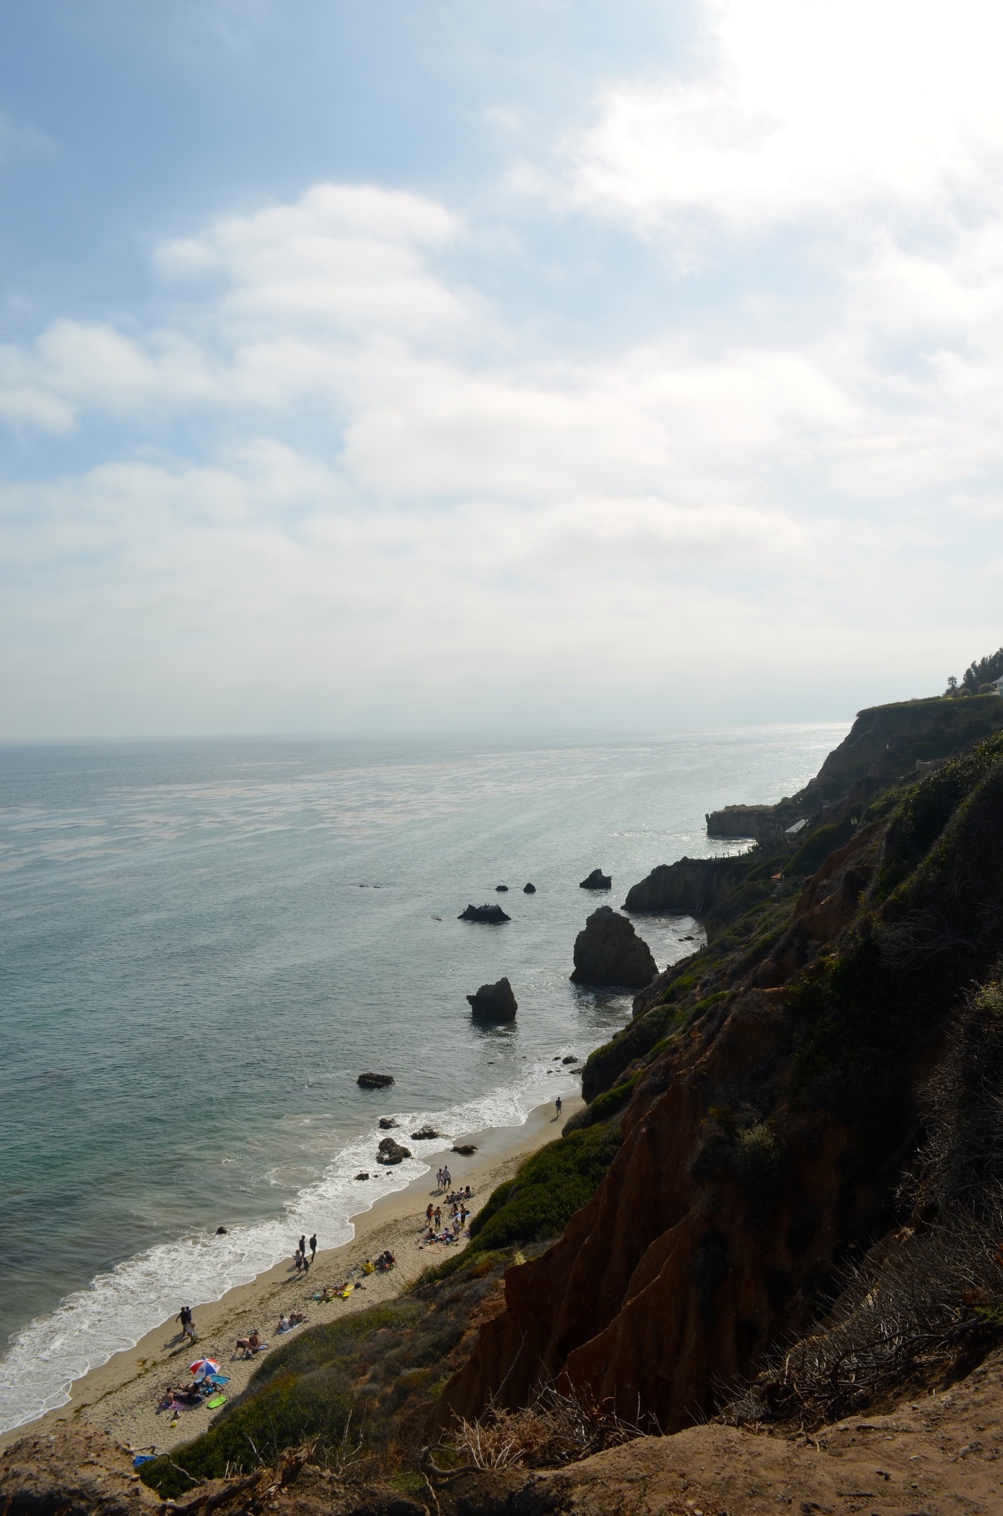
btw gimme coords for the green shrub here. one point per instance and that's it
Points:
(549, 1187)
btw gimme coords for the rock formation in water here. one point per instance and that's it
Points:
(494, 1002)
(391, 1152)
(493, 914)
(529, 889)
(372, 1081)
(597, 880)
(609, 952)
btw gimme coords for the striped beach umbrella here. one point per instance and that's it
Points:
(203, 1366)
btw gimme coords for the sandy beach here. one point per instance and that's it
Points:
(121, 1396)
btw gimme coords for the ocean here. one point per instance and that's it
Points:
(202, 944)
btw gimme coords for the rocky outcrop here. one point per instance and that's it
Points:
(501, 889)
(391, 1152)
(425, 1134)
(886, 744)
(494, 1002)
(372, 1081)
(387, 1123)
(689, 887)
(597, 880)
(492, 914)
(529, 889)
(609, 952)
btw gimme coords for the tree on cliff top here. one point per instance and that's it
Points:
(979, 673)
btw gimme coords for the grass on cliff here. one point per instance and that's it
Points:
(364, 1386)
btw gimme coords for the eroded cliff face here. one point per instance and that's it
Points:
(766, 1135)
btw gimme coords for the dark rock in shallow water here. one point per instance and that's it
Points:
(387, 1123)
(529, 889)
(597, 880)
(375, 1081)
(501, 889)
(426, 1134)
(609, 951)
(392, 1152)
(362, 1175)
(465, 1149)
(571, 1058)
(494, 1002)
(221, 1231)
(489, 913)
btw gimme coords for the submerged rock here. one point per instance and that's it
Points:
(490, 913)
(375, 1081)
(387, 1123)
(362, 1175)
(426, 1134)
(392, 1152)
(571, 1058)
(597, 880)
(494, 1002)
(501, 889)
(609, 951)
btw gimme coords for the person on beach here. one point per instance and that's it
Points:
(429, 1209)
(313, 1247)
(438, 1217)
(557, 1103)
(306, 1265)
(298, 1260)
(302, 1243)
(284, 1324)
(447, 1178)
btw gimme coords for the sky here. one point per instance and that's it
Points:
(495, 365)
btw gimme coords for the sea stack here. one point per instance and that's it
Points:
(494, 1002)
(609, 952)
(492, 914)
(597, 880)
(375, 1081)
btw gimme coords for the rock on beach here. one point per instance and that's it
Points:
(392, 1152)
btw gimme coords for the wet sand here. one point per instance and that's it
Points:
(122, 1394)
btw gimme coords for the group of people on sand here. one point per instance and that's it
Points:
(300, 1260)
(458, 1213)
(248, 1346)
(381, 1265)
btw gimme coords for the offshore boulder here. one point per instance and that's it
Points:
(609, 952)
(492, 914)
(391, 1152)
(373, 1081)
(494, 1002)
(597, 880)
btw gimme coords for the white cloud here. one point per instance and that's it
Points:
(808, 109)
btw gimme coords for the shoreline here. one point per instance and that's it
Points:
(121, 1394)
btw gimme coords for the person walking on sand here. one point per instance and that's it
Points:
(447, 1179)
(302, 1244)
(558, 1104)
(313, 1247)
